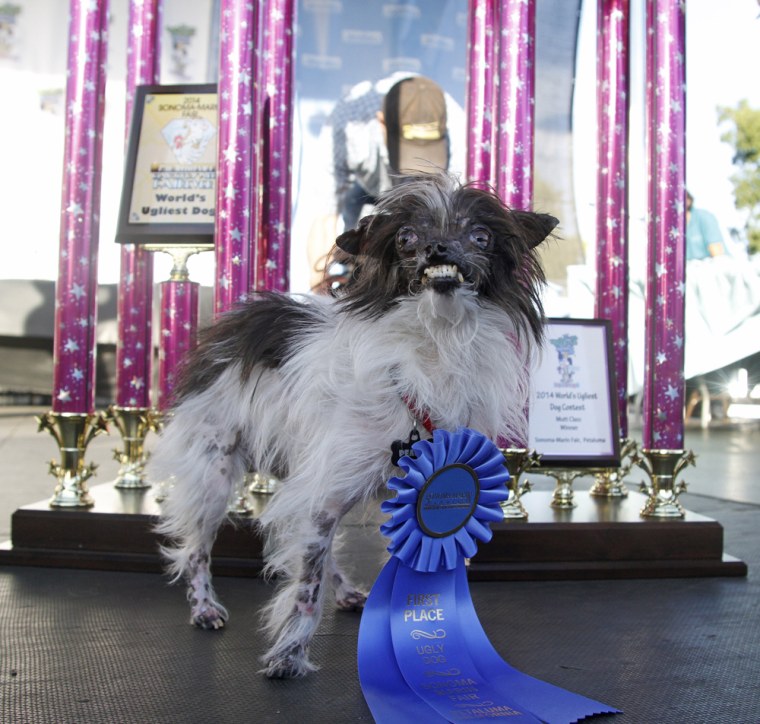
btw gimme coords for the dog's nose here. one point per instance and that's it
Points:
(437, 247)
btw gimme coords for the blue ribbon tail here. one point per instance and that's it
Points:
(549, 703)
(387, 694)
(431, 647)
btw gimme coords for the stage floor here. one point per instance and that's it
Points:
(92, 646)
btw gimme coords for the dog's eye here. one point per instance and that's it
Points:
(406, 237)
(480, 237)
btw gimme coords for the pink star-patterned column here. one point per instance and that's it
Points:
(664, 393)
(480, 90)
(179, 325)
(238, 210)
(515, 105)
(612, 93)
(135, 300)
(272, 269)
(76, 290)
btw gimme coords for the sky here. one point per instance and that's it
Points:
(723, 66)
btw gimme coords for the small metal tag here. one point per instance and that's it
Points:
(399, 448)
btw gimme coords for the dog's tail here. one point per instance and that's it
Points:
(201, 464)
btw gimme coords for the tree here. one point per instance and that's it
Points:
(743, 134)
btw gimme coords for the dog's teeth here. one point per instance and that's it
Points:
(443, 271)
(460, 277)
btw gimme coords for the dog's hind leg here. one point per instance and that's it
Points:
(295, 611)
(191, 516)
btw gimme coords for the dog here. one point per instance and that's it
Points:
(438, 324)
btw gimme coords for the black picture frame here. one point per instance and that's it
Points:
(167, 197)
(573, 412)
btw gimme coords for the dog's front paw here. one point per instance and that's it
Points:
(209, 617)
(289, 665)
(351, 600)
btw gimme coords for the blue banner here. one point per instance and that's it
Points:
(422, 653)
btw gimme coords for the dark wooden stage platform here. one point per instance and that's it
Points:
(599, 539)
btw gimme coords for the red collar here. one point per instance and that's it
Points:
(422, 416)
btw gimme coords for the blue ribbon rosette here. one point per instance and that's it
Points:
(422, 653)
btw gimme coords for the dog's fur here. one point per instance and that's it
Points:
(314, 390)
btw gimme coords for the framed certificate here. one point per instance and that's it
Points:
(573, 412)
(169, 192)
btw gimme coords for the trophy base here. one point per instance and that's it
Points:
(657, 507)
(604, 487)
(563, 497)
(240, 506)
(262, 484)
(514, 510)
(563, 500)
(599, 539)
(71, 496)
(127, 481)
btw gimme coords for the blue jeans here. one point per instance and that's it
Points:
(352, 202)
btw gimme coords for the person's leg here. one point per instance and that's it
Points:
(355, 198)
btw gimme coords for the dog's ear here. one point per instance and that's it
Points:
(352, 241)
(536, 227)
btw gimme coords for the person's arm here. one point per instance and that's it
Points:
(716, 248)
(320, 241)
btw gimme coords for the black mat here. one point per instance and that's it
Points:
(85, 646)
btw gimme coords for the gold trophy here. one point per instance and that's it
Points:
(73, 433)
(133, 423)
(518, 460)
(663, 467)
(563, 496)
(261, 483)
(241, 505)
(609, 481)
(252, 484)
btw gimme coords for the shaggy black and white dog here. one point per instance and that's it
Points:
(439, 322)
